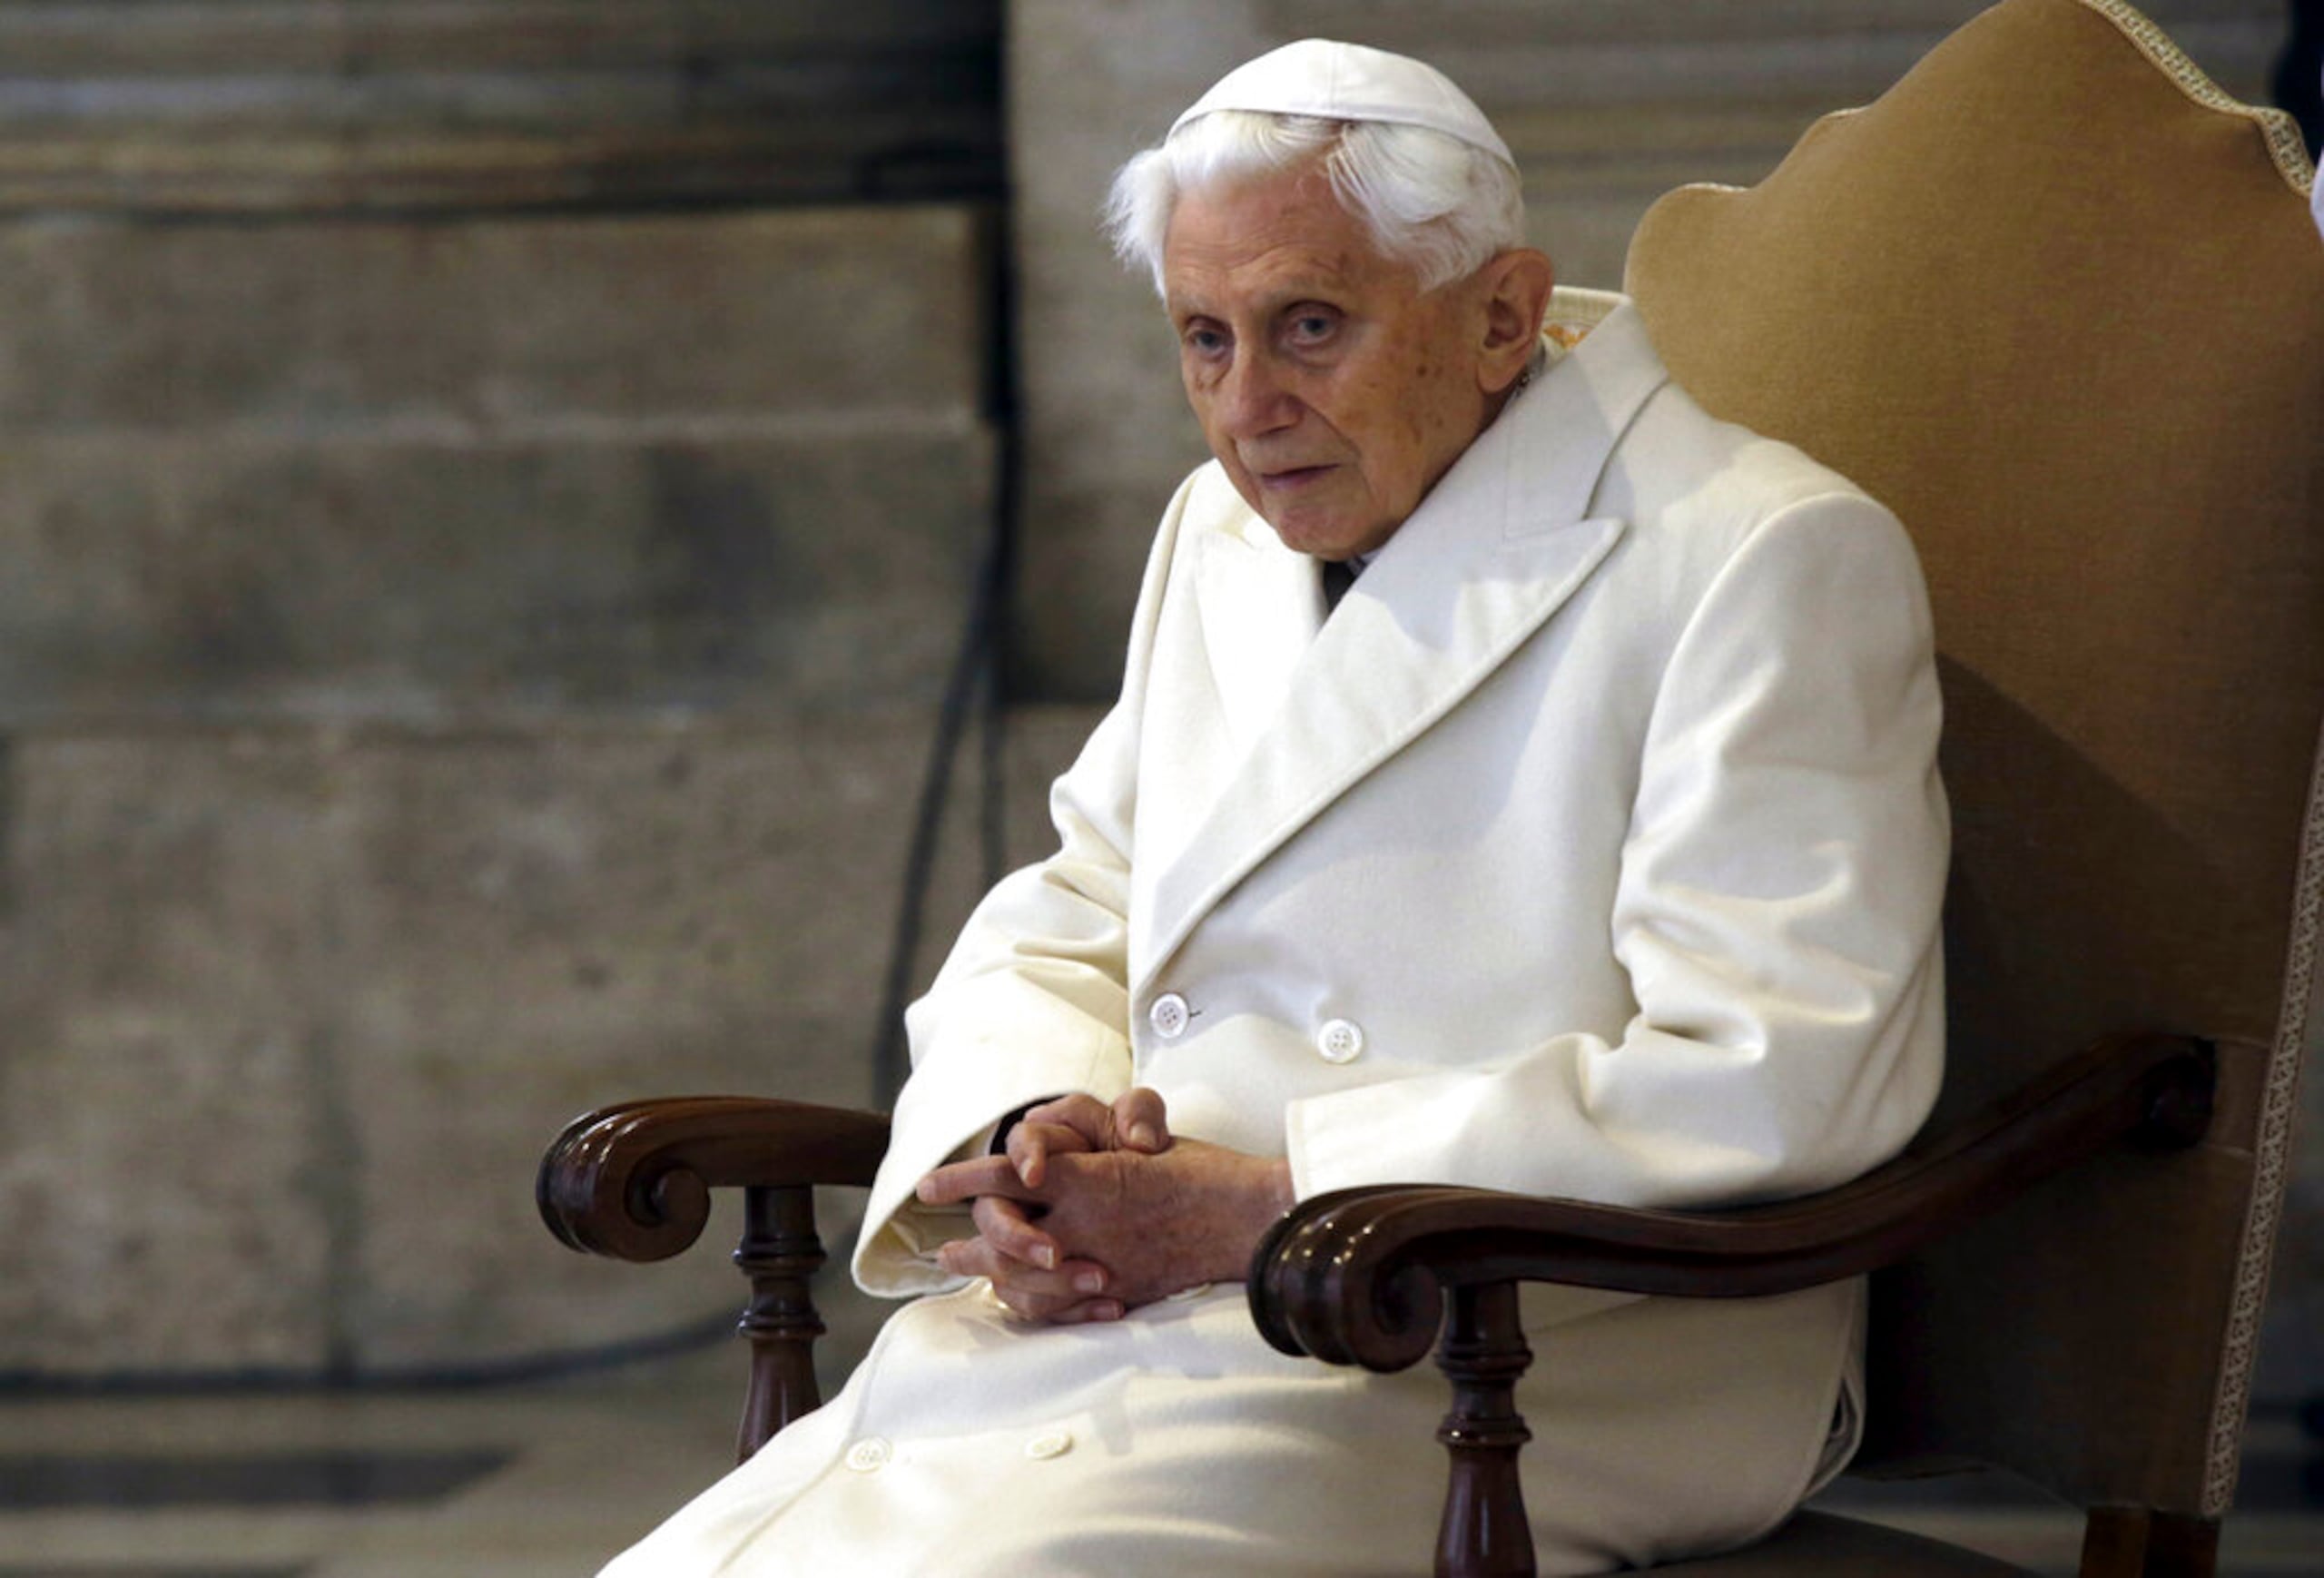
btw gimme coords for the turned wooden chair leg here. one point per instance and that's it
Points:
(778, 1253)
(2133, 1542)
(1485, 1532)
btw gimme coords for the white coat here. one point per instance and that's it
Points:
(1593, 846)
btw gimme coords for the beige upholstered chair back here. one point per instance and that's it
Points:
(2060, 303)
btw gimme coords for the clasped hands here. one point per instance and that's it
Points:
(1096, 1208)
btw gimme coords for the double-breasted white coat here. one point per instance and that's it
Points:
(1592, 846)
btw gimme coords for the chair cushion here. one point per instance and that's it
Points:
(1816, 1544)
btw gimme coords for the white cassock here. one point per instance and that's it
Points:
(1593, 846)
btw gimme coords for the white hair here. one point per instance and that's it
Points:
(1431, 200)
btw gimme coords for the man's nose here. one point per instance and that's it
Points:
(1254, 399)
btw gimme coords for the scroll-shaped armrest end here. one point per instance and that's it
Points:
(1356, 1277)
(633, 1181)
(1322, 1282)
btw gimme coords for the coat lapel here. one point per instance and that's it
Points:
(1499, 543)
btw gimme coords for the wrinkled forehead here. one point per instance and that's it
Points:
(1281, 232)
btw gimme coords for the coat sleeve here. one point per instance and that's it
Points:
(1033, 999)
(1776, 910)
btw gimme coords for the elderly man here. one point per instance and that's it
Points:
(1519, 779)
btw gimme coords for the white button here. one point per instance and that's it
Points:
(870, 1455)
(1056, 1443)
(1197, 1291)
(1168, 1016)
(1340, 1041)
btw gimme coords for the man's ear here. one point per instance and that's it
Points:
(1515, 287)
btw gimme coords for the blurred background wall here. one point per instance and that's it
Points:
(495, 505)
(488, 497)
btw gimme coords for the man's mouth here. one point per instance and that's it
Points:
(1293, 477)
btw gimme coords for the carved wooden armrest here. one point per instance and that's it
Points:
(1363, 1276)
(634, 1182)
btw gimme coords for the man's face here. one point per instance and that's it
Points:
(1334, 391)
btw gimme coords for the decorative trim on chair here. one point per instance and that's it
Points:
(2271, 1160)
(2279, 130)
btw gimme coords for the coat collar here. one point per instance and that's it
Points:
(1312, 704)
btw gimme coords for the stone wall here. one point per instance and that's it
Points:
(481, 576)
(251, 106)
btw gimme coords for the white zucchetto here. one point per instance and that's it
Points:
(1348, 82)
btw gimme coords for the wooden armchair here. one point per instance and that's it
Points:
(2060, 303)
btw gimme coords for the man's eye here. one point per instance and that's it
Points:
(1206, 341)
(1311, 327)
